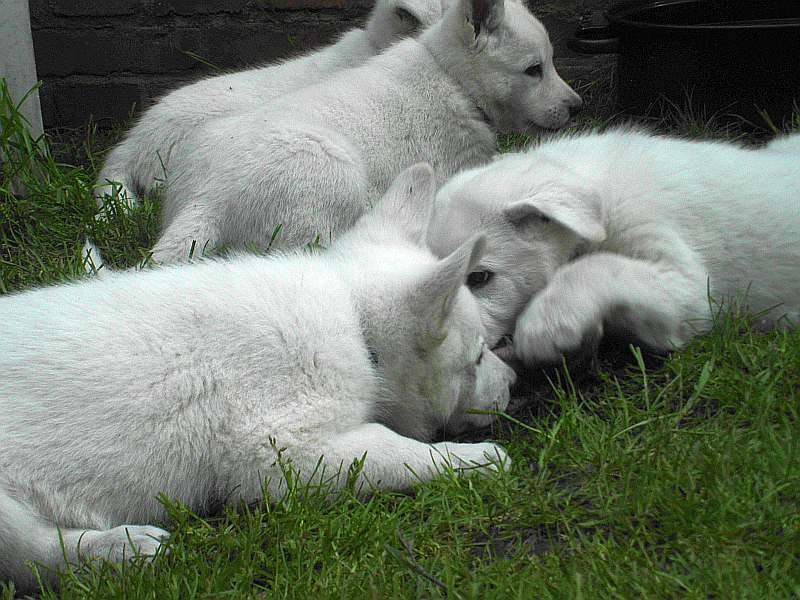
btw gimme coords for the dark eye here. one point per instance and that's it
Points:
(534, 70)
(478, 279)
(406, 16)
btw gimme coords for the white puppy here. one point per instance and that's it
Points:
(629, 231)
(139, 162)
(187, 380)
(785, 143)
(314, 161)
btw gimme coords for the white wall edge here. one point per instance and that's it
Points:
(17, 64)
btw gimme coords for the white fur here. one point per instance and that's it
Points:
(630, 231)
(186, 380)
(314, 161)
(144, 157)
(786, 143)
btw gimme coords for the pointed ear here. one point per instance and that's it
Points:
(581, 218)
(407, 206)
(435, 294)
(483, 17)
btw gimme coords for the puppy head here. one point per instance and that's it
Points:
(392, 20)
(420, 322)
(533, 224)
(502, 56)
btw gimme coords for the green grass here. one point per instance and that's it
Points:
(640, 477)
(44, 224)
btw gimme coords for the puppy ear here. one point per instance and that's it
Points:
(408, 18)
(567, 210)
(435, 294)
(407, 206)
(483, 17)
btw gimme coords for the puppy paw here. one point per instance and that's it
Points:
(483, 457)
(551, 327)
(122, 543)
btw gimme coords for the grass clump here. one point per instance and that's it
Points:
(645, 477)
(47, 210)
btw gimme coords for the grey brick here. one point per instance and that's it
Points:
(83, 8)
(41, 13)
(195, 7)
(71, 103)
(315, 4)
(230, 46)
(103, 51)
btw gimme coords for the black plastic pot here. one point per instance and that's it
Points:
(730, 56)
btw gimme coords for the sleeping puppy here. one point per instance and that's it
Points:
(198, 381)
(624, 230)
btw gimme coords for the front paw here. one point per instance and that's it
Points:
(552, 327)
(123, 542)
(483, 457)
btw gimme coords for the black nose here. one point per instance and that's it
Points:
(575, 107)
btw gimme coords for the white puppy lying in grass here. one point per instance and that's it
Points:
(139, 162)
(186, 380)
(314, 161)
(628, 231)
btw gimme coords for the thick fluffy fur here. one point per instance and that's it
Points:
(631, 231)
(144, 157)
(185, 381)
(314, 161)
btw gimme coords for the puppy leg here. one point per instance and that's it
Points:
(117, 544)
(658, 304)
(297, 185)
(394, 462)
(310, 183)
(114, 179)
(26, 537)
(191, 232)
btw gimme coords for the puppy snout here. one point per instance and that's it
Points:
(511, 375)
(505, 373)
(574, 105)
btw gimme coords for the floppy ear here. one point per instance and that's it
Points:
(483, 17)
(409, 14)
(407, 206)
(567, 210)
(434, 295)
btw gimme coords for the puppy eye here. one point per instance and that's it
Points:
(534, 70)
(406, 16)
(478, 279)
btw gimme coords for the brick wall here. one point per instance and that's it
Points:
(102, 58)
(99, 58)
